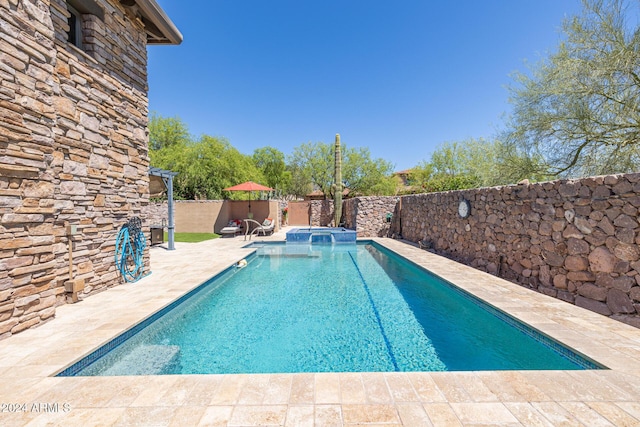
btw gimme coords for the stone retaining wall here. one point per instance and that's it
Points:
(368, 215)
(321, 213)
(576, 240)
(73, 151)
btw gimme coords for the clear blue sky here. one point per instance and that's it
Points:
(397, 77)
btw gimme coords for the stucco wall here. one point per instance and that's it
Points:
(73, 150)
(575, 240)
(210, 216)
(200, 216)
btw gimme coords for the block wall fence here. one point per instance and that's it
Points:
(210, 216)
(73, 150)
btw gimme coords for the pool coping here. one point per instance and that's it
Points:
(28, 359)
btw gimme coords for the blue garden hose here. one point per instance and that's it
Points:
(130, 245)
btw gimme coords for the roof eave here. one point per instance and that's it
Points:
(167, 32)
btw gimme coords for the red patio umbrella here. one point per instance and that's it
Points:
(249, 186)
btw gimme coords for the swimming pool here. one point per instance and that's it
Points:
(299, 308)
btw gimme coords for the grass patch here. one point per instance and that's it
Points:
(191, 237)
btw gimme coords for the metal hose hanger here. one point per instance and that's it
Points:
(130, 245)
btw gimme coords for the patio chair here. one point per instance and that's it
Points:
(233, 227)
(267, 226)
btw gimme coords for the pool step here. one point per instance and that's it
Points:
(146, 360)
(284, 255)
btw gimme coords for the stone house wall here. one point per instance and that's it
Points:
(576, 240)
(368, 215)
(73, 150)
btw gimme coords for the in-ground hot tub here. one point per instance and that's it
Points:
(321, 235)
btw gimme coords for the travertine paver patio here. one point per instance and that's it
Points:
(510, 398)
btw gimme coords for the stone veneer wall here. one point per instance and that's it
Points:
(73, 150)
(576, 240)
(368, 215)
(157, 213)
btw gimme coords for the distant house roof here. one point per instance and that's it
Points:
(404, 175)
(159, 28)
(319, 195)
(403, 172)
(315, 194)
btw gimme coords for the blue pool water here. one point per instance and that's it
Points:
(326, 308)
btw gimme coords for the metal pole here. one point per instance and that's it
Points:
(169, 183)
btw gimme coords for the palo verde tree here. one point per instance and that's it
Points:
(205, 165)
(167, 132)
(270, 161)
(474, 163)
(365, 176)
(579, 109)
(312, 166)
(457, 165)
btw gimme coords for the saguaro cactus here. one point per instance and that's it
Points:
(337, 184)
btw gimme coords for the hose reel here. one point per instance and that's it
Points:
(130, 246)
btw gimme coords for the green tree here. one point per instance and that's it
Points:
(312, 166)
(167, 132)
(475, 163)
(214, 165)
(420, 175)
(457, 159)
(513, 164)
(366, 176)
(387, 186)
(299, 183)
(270, 161)
(579, 110)
(205, 166)
(169, 140)
(458, 165)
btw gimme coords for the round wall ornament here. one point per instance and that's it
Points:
(464, 208)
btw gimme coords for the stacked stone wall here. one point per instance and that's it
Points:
(157, 213)
(576, 240)
(73, 151)
(368, 215)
